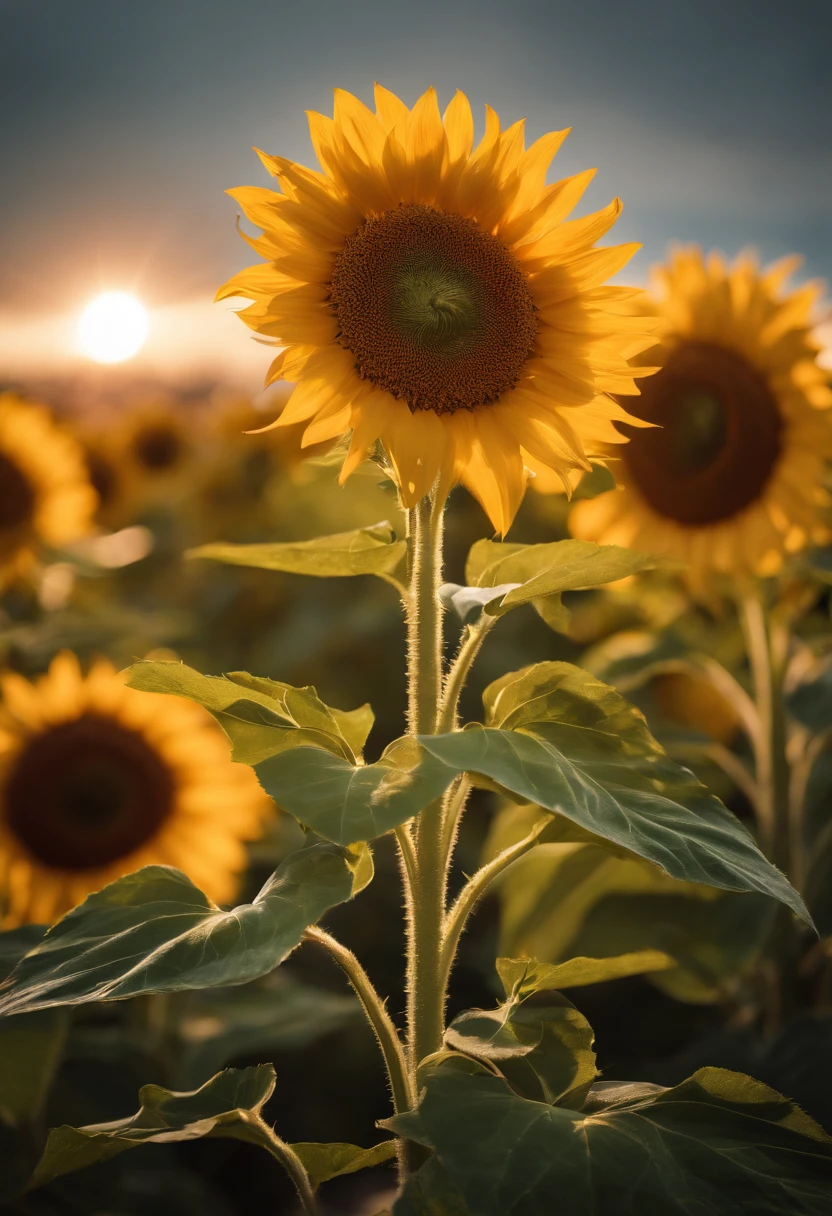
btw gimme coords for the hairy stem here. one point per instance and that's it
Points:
(425, 996)
(377, 1016)
(472, 641)
(471, 894)
(291, 1162)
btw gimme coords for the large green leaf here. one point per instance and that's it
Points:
(224, 1106)
(542, 1047)
(325, 1161)
(154, 931)
(718, 1143)
(372, 550)
(344, 802)
(570, 744)
(261, 717)
(578, 898)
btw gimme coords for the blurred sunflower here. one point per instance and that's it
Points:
(431, 296)
(158, 439)
(45, 494)
(97, 780)
(733, 479)
(112, 477)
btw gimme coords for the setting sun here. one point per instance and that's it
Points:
(113, 327)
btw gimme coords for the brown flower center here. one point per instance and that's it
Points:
(17, 496)
(158, 447)
(435, 310)
(85, 793)
(719, 440)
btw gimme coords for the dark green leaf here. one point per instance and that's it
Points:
(325, 1161)
(372, 550)
(154, 931)
(573, 745)
(543, 1049)
(219, 1108)
(430, 1192)
(811, 702)
(345, 803)
(718, 1143)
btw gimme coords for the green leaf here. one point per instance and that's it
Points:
(538, 574)
(325, 1161)
(31, 1046)
(221, 1107)
(261, 717)
(372, 550)
(527, 975)
(345, 803)
(429, 1192)
(811, 702)
(154, 931)
(543, 1049)
(573, 745)
(718, 1143)
(568, 899)
(543, 570)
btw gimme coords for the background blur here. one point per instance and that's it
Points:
(125, 122)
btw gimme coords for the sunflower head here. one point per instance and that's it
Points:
(97, 779)
(431, 296)
(45, 493)
(731, 478)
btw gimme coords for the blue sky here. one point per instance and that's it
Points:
(124, 120)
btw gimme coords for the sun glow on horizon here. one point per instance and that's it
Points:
(113, 327)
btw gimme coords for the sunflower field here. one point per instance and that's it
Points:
(416, 778)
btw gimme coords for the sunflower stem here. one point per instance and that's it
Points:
(426, 907)
(291, 1162)
(377, 1015)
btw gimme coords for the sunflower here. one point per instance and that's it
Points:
(45, 494)
(97, 780)
(157, 440)
(431, 296)
(733, 479)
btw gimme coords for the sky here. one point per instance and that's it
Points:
(125, 120)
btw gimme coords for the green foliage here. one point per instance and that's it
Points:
(261, 717)
(344, 802)
(565, 741)
(372, 550)
(524, 976)
(810, 703)
(325, 1161)
(539, 574)
(542, 1048)
(224, 1106)
(578, 898)
(719, 1142)
(154, 931)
